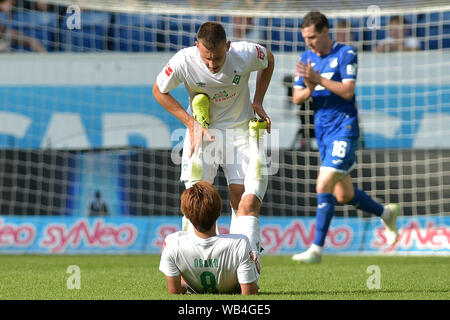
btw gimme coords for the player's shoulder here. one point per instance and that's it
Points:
(185, 54)
(344, 49)
(241, 44)
(238, 239)
(176, 237)
(242, 47)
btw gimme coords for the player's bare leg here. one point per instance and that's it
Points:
(236, 192)
(255, 185)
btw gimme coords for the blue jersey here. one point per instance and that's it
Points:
(334, 117)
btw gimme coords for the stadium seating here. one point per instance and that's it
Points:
(93, 35)
(283, 30)
(129, 32)
(136, 32)
(39, 25)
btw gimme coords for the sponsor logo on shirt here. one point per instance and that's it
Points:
(223, 96)
(261, 54)
(351, 69)
(168, 71)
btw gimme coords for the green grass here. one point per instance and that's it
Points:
(137, 277)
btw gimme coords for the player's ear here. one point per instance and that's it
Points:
(196, 43)
(228, 45)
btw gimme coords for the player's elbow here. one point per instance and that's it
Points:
(348, 95)
(299, 96)
(348, 91)
(296, 100)
(156, 92)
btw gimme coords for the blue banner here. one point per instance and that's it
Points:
(279, 235)
(105, 116)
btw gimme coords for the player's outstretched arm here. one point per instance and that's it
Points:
(249, 288)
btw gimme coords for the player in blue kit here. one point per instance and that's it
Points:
(326, 74)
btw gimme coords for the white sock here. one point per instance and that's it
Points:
(233, 216)
(248, 226)
(385, 213)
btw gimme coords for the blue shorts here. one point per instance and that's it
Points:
(339, 153)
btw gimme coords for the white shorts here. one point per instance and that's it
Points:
(230, 150)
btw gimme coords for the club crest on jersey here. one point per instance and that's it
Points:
(334, 63)
(261, 54)
(168, 71)
(236, 79)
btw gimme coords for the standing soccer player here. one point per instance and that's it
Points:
(215, 73)
(327, 74)
(204, 262)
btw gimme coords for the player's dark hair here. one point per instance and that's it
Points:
(316, 18)
(202, 205)
(211, 35)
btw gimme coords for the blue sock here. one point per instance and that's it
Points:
(364, 202)
(325, 212)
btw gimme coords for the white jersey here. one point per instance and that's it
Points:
(230, 105)
(216, 265)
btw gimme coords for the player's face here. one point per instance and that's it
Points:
(396, 30)
(213, 59)
(316, 41)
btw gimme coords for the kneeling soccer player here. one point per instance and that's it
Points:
(204, 262)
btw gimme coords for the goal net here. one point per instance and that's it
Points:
(81, 118)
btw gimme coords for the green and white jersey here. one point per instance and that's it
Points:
(228, 91)
(215, 265)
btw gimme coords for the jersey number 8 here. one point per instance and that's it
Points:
(209, 282)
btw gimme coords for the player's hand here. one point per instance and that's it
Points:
(196, 133)
(262, 114)
(307, 72)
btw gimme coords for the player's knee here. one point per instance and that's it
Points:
(343, 198)
(256, 187)
(250, 204)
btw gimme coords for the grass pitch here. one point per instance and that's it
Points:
(137, 277)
